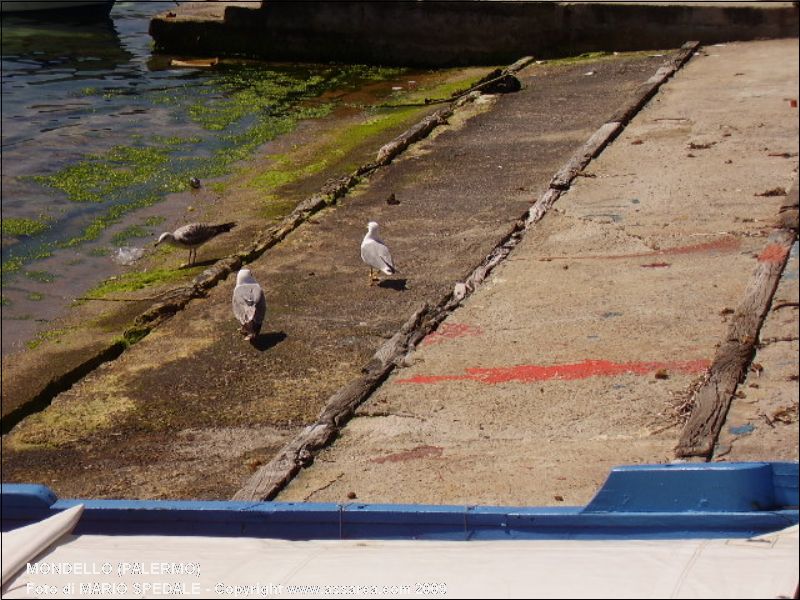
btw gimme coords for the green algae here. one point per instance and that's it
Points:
(111, 216)
(35, 296)
(131, 282)
(287, 169)
(586, 56)
(12, 265)
(99, 176)
(67, 423)
(175, 141)
(246, 107)
(134, 335)
(601, 56)
(51, 335)
(130, 233)
(238, 110)
(274, 208)
(154, 220)
(17, 226)
(40, 276)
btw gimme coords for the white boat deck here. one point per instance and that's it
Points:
(181, 566)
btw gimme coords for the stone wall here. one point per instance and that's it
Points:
(438, 33)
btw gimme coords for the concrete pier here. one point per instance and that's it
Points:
(438, 33)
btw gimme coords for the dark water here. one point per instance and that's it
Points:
(97, 131)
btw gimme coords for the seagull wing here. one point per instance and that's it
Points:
(377, 256)
(193, 234)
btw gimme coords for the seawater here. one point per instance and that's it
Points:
(96, 128)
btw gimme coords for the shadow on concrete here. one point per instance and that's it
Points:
(265, 341)
(398, 285)
(203, 263)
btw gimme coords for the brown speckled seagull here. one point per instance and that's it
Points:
(194, 235)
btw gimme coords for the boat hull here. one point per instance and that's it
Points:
(49, 6)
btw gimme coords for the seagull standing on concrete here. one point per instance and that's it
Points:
(249, 304)
(194, 235)
(375, 253)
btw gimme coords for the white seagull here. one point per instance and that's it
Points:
(375, 253)
(194, 235)
(249, 304)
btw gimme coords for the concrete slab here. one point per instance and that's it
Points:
(581, 349)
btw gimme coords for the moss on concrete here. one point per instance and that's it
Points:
(131, 282)
(338, 149)
(66, 423)
(51, 335)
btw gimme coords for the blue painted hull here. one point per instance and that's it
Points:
(716, 500)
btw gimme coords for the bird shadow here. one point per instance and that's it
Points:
(265, 341)
(201, 263)
(399, 285)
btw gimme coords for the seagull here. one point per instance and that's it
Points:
(249, 304)
(375, 253)
(193, 235)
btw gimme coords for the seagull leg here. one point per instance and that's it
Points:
(371, 277)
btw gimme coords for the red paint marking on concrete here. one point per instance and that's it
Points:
(414, 453)
(723, 244)
(773, 253)
(720, 245)
(450, 331)
(660, 265)
(581, 370)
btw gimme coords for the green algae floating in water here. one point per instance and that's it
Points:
(40, 276)
(130, 233)
(154, 220)
(100, 176)
(23, 226)
(217, 122)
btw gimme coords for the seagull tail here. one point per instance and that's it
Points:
(224, 227)
(388, 267)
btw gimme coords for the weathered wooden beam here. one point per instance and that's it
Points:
(732, 359)
(648, 89)
(593, 146)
